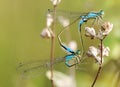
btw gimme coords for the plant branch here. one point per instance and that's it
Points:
(100, 65)
(52, 46)
(99, 69)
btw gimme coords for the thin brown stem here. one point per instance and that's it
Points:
(100, 65)
(52, 59)
(101, 41)
(52, 46)
(99, 69)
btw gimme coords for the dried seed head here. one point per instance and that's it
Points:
(92, 51)
(96, 53)
(106, 51)
(45, 33)
(90, 32)
(100, 35)
(98, 60)
(55, 2)
(107, 28)
(49, 20)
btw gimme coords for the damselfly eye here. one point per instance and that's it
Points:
(102, 12)
(78, 52)
(85, 20)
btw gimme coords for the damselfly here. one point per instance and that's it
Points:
(83, 17)
(36, 68)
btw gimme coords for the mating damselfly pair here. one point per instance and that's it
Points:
(73, 55)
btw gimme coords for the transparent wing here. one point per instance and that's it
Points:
(36, 68)
(71, 15)
(67, 14)
(87, 65)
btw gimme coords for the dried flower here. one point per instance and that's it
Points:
(96, 53)
(45, 33)
(90, 32)
(64, 21)
(107, 28)
(93, 51)
(72, 45)
(55, 2)
(106, 51)
(61, 80)
(100, 35)
(49, 20)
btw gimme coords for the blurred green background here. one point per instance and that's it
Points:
(21, 22)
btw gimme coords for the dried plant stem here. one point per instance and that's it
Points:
(100, 65)
(52, 59)
(52, 46)
(101, 43)
(99, 69)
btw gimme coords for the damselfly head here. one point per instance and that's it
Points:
(78, 52)
(85, 19)
(101, 12)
